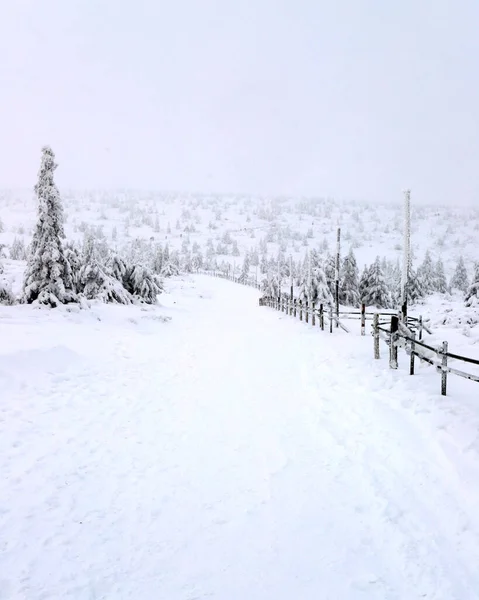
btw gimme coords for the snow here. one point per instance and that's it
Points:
(210, 448)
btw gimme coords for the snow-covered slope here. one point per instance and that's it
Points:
(210, 448)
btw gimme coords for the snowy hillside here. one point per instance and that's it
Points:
(209, 448)
(215, 231)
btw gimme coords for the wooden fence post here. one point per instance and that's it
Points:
(444, 369)
(376, 335)
(331, 319)
(300, 310)
(393, 349)
(294, 308)
(306, 312)
(412, 350)
(321, 317)
(313, 314)
(420, 327)
(291, 302)
(363, 319)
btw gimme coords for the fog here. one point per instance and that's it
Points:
(354, 99)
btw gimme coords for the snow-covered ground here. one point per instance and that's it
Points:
(210, 448)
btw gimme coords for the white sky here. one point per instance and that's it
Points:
(347, 98)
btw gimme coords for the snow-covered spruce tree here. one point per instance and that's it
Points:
(426, 274)
(472, 295)
(17, 250)
(48, 277)
(315, 289)
(74, 258)
(363, 283)
(440, 283)
(329, 267)
(157, 259)
(245, 268)
(349, 285)
(460, 280)
(414, 289)
(6, 294)
(270, 285)
(376, 292)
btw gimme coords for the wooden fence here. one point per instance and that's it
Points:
(398, 335)
(295, 307)
(386, 325)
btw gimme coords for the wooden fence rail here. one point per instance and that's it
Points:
(398, 335)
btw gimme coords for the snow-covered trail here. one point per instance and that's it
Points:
(230, 453)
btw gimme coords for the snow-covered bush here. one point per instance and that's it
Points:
(143, 284)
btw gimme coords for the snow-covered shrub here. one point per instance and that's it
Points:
(143, 284)
(100, 281)
(48, 277)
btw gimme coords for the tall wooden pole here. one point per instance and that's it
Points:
(407, 253)
(338, 253)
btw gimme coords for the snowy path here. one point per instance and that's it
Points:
(230, 453)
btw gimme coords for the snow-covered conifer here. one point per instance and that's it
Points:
(75, 260)
(329, 267)
(460, 280)
(440, 284)
(426, 274)
(472, 294)
(6, 294)
(17, 249)
(376, 292)
(363, 282)
(349, 285)
(414, 288)
(315, 287)
(48, 276)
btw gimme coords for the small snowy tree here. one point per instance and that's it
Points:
(315, 287)
(349, 285)
(375, 291)
(363, 283)
(6, 294)
(17, 250)
(426, 274)
(440, 284)
(414, 289)
(472, 294)
(48, 276)
(460, 280)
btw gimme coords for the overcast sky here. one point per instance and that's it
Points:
(347, 98)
